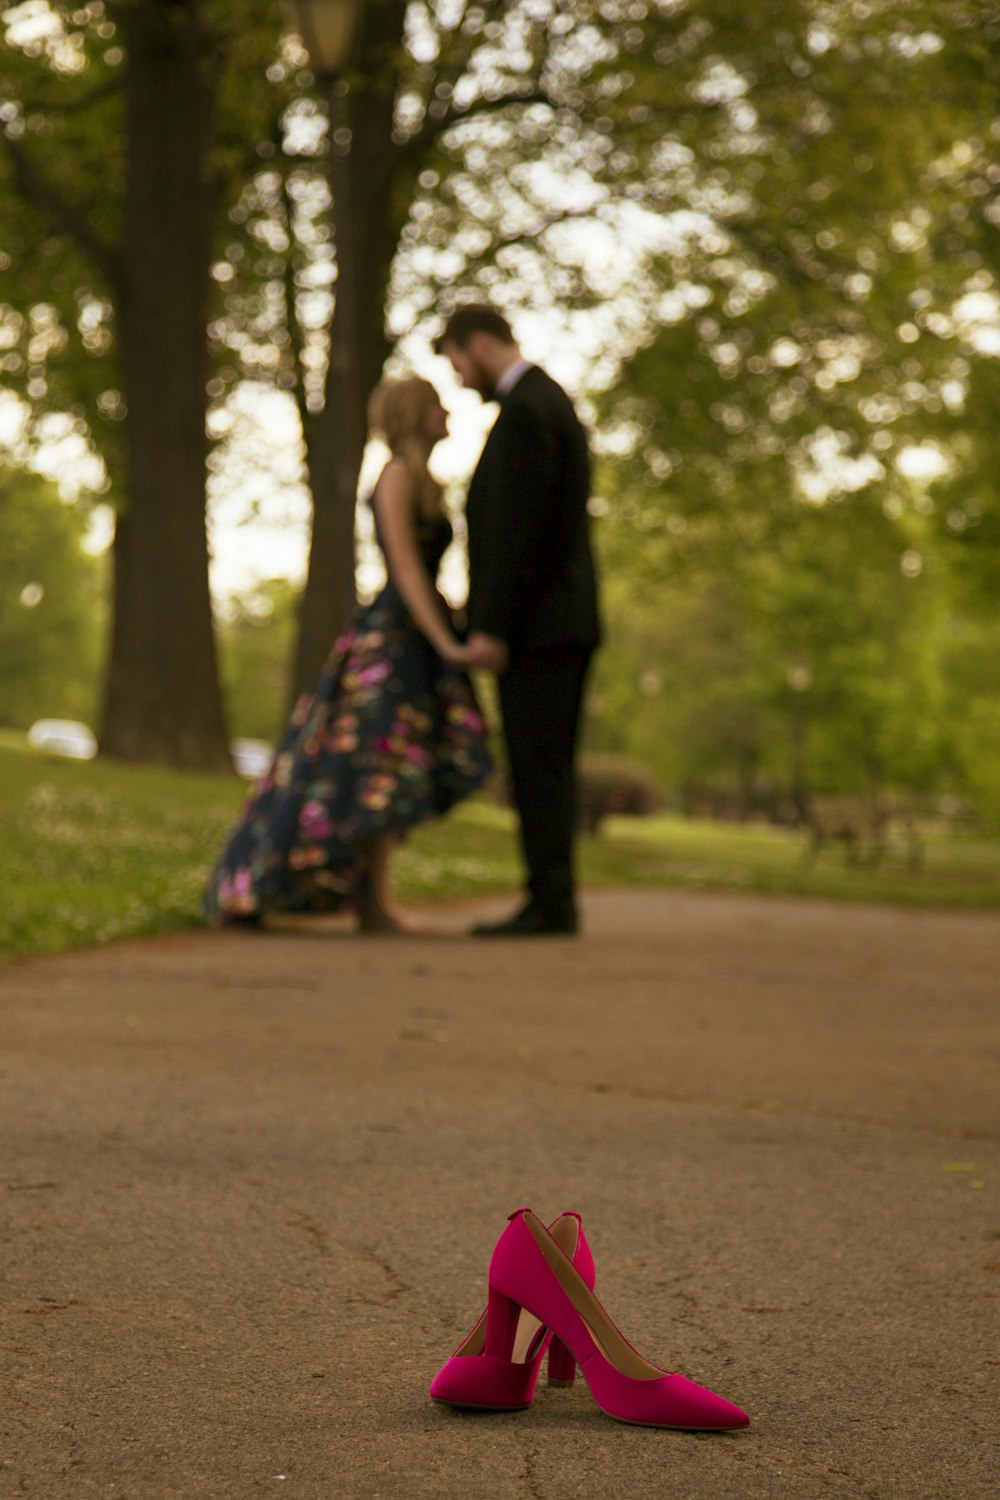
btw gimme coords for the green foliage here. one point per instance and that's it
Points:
(822, 659)
(62, 181)
(52, 606)
(980, 756)
(966, 498)
(494, 104)
(255, 645)
(676, 688)
(972, 709)
(856, 647)
(783, 600)
(794, 207)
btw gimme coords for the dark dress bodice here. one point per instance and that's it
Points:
(434, 537)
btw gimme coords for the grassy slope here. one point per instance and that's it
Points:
(91, 852)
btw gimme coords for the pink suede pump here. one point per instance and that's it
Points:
(530, 1271)
(506, 1382)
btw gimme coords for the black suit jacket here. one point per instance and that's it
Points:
(531, 569)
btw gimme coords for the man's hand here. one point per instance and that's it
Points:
(487, 653)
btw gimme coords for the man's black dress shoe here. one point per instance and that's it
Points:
(530, 921)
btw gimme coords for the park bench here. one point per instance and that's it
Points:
(865, 825)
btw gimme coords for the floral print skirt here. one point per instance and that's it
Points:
(391, 737)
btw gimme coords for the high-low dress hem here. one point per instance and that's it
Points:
(391, 737)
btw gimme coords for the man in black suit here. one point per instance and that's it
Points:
(532, 611)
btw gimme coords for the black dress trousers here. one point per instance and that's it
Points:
(541, 696)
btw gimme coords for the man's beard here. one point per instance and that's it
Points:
(482, 383)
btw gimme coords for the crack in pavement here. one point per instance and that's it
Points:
(790, 1464)
(397, 1284)
(307, 1226)
(531, 1477)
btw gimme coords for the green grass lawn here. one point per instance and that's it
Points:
(96, 850)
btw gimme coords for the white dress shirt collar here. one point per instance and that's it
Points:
(508, 380)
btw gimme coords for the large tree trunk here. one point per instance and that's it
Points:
(363, 173)
(163, 701)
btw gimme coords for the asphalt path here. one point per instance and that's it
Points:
(250, 1185)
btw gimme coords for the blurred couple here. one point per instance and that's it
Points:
(392, 734)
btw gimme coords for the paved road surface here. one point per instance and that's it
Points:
(251, 1183)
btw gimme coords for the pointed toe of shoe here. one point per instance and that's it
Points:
(695, 1407)
(484, 1383)
(671, 1401)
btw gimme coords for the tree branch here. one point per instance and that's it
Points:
(769, 254)
(434, 128)
(529, 236)
(72, 106)
(64, 215)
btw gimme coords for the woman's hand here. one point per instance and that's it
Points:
(455, 652)
(488, 653)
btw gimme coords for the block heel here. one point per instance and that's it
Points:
(562, 1365)
(495, 1367)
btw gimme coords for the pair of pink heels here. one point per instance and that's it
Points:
(541, 1298)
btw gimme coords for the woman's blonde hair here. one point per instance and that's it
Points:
(397, 409)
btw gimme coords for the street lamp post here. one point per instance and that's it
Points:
(356, 49)
(335, 437)
(327, 30)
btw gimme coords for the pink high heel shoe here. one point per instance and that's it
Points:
(506, 1382)
(530, 1271)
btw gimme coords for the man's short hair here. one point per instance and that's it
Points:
(474, 317)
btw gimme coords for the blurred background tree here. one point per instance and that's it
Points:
(51, 606)
(127, 129)
(792, 460)
(449, 143)
(770, 234)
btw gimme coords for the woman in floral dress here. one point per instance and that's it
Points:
(392, 734)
